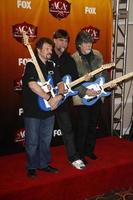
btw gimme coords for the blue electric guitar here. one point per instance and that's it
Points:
(99, 85)
(68, 84)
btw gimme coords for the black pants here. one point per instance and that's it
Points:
(86, 134)
(64, 122)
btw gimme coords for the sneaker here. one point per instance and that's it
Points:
(78, 164)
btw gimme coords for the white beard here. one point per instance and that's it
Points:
(48, 56)
(88, 51)
(62, 50)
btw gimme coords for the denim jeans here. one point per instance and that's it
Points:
(38, 135)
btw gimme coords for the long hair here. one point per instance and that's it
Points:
(83, 36)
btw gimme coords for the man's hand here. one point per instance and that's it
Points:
(92, 92)
(87, 77)
(54, 101)
(113, 85)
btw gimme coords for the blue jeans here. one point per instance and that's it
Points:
(38, 135)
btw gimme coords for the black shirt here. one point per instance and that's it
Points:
(66, 66)
(30, 99)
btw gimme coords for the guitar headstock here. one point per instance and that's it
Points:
(25, 38)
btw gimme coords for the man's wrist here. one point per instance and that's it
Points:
(62, 95)
(49, 98)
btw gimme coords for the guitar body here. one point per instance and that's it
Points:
(96, 85)
(48, 88)
(69, 92)
(67, 80)
(43, 104)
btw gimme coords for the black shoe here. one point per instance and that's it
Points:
(31, 173)
(84, 161)
(92, 156)
(50, 169)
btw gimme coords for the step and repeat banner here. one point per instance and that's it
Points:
(41, 18)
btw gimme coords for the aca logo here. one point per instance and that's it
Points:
(94, 32)
(30, 29)
(18, 85)
(59, 8)
(20, 136)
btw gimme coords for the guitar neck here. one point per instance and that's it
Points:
(118, 80)
(81, 79)
(39, 72)
(77, 81)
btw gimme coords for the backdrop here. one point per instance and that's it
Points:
(41, 18)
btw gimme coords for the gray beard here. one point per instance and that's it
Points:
(61, 50)
(87, 52)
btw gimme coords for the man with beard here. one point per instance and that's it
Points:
(38, 123)
(66, 65)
